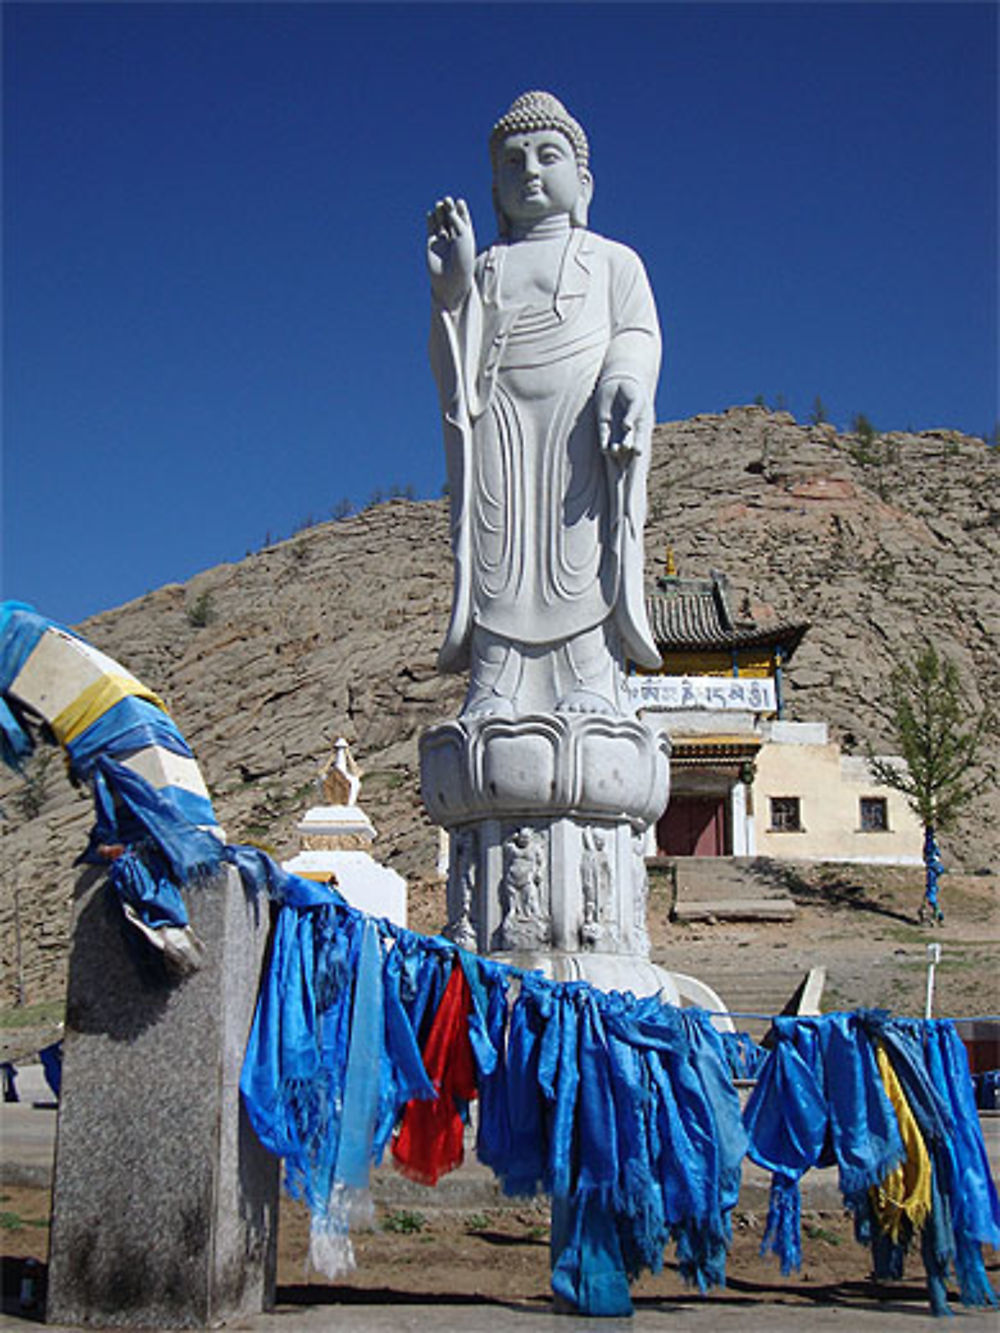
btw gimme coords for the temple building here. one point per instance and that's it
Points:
(746, 781)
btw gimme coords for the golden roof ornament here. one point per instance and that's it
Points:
(339, 779)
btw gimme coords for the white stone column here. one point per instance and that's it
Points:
(738, 818)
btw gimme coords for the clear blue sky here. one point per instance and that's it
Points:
(214, 297)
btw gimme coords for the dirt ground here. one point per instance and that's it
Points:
(502, 1254)
(862, 926)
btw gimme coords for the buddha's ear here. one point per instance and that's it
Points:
(578, 217)
(503, 225)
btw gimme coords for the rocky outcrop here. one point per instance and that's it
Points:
(878, 543)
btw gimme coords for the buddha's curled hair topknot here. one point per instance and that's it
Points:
(540, 111)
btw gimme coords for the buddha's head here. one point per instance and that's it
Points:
(540, 160)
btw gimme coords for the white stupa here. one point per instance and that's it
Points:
(336, 839)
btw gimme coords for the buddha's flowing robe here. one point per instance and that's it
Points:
(546, 530)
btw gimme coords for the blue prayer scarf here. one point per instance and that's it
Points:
(949, 1126)
(20, 629)
(819, 1097)
(975, 1208)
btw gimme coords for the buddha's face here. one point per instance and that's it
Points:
(536, 176)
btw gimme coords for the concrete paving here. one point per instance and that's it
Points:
(27, 1146)
(722, 1314)
(28, 1131)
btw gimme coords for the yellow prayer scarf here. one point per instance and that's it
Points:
(906, 1191)
(95, 701)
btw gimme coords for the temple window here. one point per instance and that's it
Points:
(786, 814)
(874, 814)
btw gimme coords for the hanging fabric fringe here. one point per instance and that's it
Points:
(622, 1109)
(890, 1101)
(743, 1056)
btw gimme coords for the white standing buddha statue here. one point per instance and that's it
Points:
(546, 351)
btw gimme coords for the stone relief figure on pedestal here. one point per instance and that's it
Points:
(461, 927)
(524, 892)
(595, 881)
(546, 350)
(640, 893)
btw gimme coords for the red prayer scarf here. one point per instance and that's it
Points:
(429, 1142)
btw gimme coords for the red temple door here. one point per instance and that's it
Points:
(693, 826)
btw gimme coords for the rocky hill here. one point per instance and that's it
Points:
(878, 542)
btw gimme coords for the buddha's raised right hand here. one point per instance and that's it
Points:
(451, 251)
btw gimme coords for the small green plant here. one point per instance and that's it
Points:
(385, 777)
(30, 799)
(862, 428)
(815, 1232)
(404, 1222)
(939, 735)
(817, 413)
(15, 1222)
(882, 569)
(201, 611)
(476, 1222)
(33, 1015)
(864, 448)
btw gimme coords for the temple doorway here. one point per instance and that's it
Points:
(693, 826)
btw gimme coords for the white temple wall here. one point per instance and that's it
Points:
(829, 788)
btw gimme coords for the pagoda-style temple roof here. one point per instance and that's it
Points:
(689, 614)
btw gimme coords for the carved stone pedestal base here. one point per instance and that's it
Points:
(547, 815)
(606, 971)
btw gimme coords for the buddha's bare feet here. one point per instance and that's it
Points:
(488, 705)
(584, 701)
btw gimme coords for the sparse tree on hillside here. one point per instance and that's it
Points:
(863, 428)
(818, 412)
(939, 736)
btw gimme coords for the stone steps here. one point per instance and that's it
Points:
(736, 909)
(751, 992)
(725, 889)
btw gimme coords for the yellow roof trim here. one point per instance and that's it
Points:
(750, 742)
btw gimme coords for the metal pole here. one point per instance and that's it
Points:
(19, 994)
(933, 958)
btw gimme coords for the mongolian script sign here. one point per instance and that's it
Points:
(732, 693)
